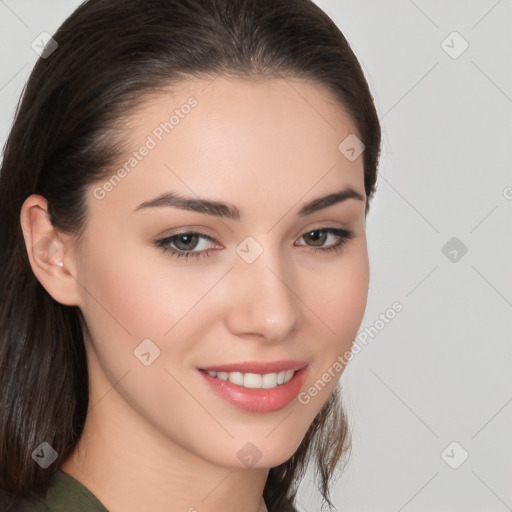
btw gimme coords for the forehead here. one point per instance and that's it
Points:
(275, 138)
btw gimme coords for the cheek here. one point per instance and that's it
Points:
(339, 301)
(338, 306)
(133, 291)
(125, 303)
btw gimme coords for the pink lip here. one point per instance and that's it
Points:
(257, 367)
(254, 399)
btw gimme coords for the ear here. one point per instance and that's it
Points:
(51, 256)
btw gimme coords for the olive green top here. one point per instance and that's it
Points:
(65, 494)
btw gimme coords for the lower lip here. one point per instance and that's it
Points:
(258, 400)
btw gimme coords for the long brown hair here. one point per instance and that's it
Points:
(110, 55)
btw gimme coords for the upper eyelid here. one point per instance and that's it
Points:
(348, 233)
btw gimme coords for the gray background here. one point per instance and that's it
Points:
(439, 372)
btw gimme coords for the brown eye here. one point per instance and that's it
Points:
(185, 244)
(187, 241)
(317, 236)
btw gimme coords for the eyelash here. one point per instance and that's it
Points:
(343, 234)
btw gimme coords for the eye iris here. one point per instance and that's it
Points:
(316, 239)
(187, 237)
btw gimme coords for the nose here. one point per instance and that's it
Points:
(261, 300)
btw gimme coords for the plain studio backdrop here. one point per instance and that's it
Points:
(428, 390)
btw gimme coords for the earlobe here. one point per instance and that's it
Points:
(52, 261)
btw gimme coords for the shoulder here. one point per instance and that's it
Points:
(64, 494)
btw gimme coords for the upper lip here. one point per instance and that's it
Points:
(261, 367)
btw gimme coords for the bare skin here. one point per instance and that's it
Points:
(157, 437)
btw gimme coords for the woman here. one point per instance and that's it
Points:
(184, 264)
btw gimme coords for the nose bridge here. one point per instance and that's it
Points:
(265, 303)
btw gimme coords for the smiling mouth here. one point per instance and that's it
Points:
(262, 386)
(254, 380)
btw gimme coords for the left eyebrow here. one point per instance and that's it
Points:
(330, 200)
(229, 211)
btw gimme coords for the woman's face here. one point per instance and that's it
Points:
(256, 286)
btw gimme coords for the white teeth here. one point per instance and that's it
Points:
(252, 380)
(255, 380)
(236, 378)
(269, 380)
